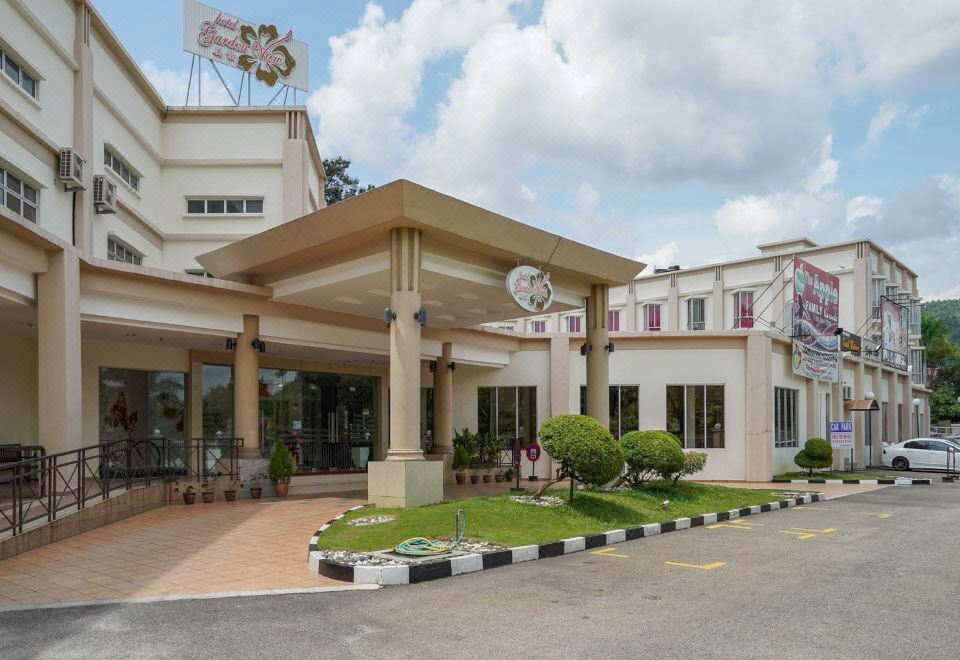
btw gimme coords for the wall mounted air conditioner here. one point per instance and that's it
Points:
(847, 393)
(104, 194)
(71, 170)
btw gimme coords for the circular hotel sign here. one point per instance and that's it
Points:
(530, 287)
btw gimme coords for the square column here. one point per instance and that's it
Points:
(598, 362)
(246, 390)
(443, 413)
(405, 479)
(759, 408)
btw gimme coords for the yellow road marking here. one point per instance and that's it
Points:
(730, 526)
(818, 531)
(607, 552)
(800, 535)
(706, 567)
(741, 521)
(808, 508)
(878, 515)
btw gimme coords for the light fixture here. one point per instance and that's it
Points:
(258, 345)
(452, 366)
(869, 396)
(389, 316)
(433, 366)
(609, 347)
(917, 402)
(420, 316)
(585, 348)
(231, 344)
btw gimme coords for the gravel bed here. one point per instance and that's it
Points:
(357, 558)
(371, 520)
(546, 500)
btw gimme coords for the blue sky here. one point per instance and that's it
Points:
(677, 132)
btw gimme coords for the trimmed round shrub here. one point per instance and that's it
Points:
(584, 449)
(693, 462)
(651, 454)
(816, 454)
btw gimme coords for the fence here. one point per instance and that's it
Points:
(41, 487)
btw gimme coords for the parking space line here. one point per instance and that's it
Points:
(607, 552)
(705, 567)
(878, 515)
(800, 535)
(828, 530)
(731, 526)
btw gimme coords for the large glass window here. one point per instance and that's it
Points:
(328, 421)
(141, 404)
(785, 417)
(651, 317)
(743, 308)
(18, 196)
(696, 314)
(217, 401)
(695, 414)
(509, 413)
(624, 408)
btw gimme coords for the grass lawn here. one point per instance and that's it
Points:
(505, 522)
(837, 474)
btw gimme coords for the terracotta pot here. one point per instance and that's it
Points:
(281, 489)
(486, 478)
(256, 492)
(207, 497)
(498, 477)
(230, 495)
(461, 479)
(474, 478)
(189, 498)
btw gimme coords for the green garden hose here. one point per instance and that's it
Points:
(421, 547)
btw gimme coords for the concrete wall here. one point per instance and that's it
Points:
(18, 390)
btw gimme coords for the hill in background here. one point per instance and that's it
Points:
(949, 311)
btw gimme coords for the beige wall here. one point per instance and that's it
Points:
(18, 389)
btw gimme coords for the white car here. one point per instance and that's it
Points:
(921, 453)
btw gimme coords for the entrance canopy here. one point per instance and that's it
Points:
(861, 405)
(338, 258)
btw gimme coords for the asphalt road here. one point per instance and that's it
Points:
(885, 583)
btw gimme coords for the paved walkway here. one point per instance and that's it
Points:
(178, 550)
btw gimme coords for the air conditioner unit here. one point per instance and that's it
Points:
(71, 170)
(847, 393)
(104, 194)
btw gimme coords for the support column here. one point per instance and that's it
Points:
(560, 376)
(909, 426)
(717, 312)
(876, 418)
(859, 419)
(246, 389)
(59, 354)
(673, 310)
(598, 361)
(892, 427)
(443, 412)
(630, 322)
(83, 129)
(836, 415)
(759, 408)
(405, 479)
(812, 417)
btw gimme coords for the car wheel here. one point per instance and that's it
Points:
(900, 463)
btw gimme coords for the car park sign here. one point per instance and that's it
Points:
(841, 434)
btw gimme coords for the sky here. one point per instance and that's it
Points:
(674, 132)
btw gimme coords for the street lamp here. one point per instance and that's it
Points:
(916, 407)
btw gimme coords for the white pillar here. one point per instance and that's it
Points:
(246, 389)
(598, 362)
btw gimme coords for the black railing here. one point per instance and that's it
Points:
(40, 487)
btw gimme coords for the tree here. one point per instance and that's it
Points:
(816, 454)
(938, 324)
(586, 451)
(340, 185)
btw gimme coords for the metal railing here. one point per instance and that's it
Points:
(40, 488)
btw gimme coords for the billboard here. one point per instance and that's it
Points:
(894, 341)
(816, 317)
(261, 49)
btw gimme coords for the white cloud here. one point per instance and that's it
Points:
(172, 85)
(890, 113)
(662, 257)
(863, 206)
(952, 293)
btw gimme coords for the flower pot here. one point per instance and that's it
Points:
(461, 479)
(207, 497)
(230, 495)
(486, 478)
(281, 489)
(189, 498)
(256, 492)
(474, 478)
(498, 478)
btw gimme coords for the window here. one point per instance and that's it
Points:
(426, 419)
(231, 206)
(876, 293)
(613, 320)
(217, 401)
(538, 326)
(509, 413)
(743, 308)
(573, 324)
(695, 415)
(918, 366)
(17, 74)
(198, 272)
(117, 251)
(624, 408)
(651, 318)
(120, 166)
(138, 404)
(785, 418)
(696, 314)
(18, 196)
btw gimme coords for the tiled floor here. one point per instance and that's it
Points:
(178, 550)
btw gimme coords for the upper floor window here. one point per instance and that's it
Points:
(225, 206)
(120, 166)
(538, 326)
(743, 307)
(876, 293)
(573, 323)
(199, 272)
(696, 314)
(118, 251)
(18, 196)
(651, 318)
(613, 320)
(17, 74)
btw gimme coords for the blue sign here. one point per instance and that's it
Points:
(841, 434)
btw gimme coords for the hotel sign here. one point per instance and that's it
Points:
(816, 316)
(260, 49)
(530, 287)
(851, 343)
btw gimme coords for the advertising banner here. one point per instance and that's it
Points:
(270, 55)
(816, 315)
(841, 434)
(893, 334)
(851, 343)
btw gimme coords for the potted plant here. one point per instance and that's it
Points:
(256, 487)
(230, 490)
(207, 489)
(189, 495)
(460, 462)
(282, 468)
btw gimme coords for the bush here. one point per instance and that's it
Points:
(282, 464)
(585, 450)
(816, 453)
(693, 462)
(649, 454)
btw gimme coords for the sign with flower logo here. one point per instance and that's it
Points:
(530, 287)
(260, 49)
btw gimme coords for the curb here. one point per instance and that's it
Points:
(899, 481)
(441, 568)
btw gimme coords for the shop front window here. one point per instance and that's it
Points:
(328, 421)
(509, 413)
(141, 404)
(695, 415)
(217, 401)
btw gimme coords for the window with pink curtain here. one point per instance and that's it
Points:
(743, 303)
(613, 320)
(573, 324)
(651, 318)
